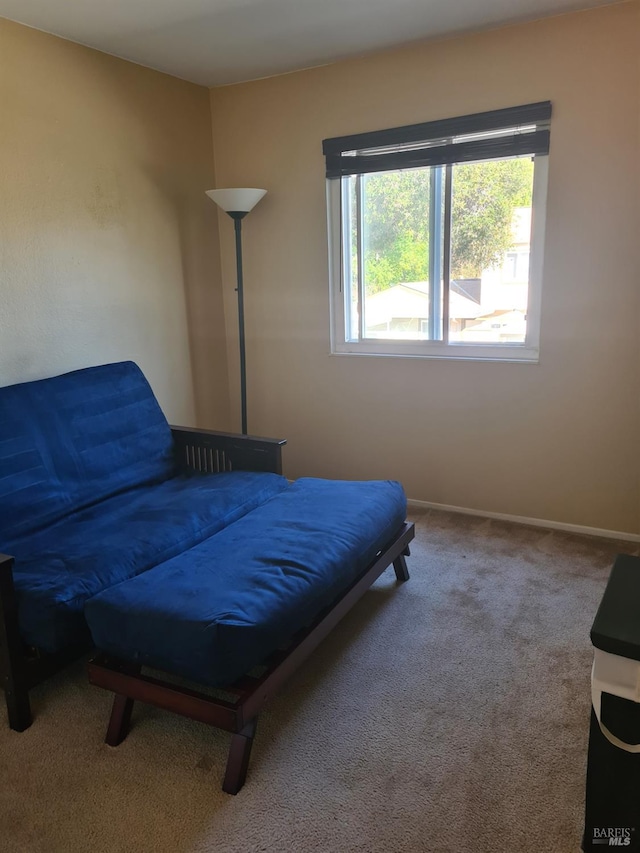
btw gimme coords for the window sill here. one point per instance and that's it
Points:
(448, 352)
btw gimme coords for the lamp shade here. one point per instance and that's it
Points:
(236, 200)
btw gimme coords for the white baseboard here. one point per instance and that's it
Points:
(534, 522)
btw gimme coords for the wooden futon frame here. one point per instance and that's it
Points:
(251, 693)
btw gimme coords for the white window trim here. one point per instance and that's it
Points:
(511, 352)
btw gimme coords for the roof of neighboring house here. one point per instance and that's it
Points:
(411, 299)
(471, 288)
(509, 323)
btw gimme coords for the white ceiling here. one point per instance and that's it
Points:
(225, 41)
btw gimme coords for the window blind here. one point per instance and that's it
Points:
(511, 132)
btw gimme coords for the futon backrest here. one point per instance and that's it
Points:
(72, 440)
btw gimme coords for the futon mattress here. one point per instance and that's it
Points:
(62, 566)
(216, 610)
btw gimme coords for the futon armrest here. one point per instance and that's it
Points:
(211, 451)
(616, 628)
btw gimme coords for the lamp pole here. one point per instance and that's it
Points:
(237, 222)
(237, 203)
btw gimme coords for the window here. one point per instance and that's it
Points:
(436, 236)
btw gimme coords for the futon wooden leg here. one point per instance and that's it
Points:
(12, 661)
(238, 760)
(119, 720)
(18, 707)
(400, 567)
(120, 715)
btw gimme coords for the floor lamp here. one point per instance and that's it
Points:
(237, 203)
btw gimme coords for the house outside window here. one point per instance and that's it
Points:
(436, 237)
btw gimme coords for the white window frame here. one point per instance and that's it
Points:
(528, 351)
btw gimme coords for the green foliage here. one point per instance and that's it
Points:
(484, 196)
(396, 237)
(407, 259)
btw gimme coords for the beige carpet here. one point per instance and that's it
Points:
(447, 714)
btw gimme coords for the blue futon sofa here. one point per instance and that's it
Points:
(182, 550)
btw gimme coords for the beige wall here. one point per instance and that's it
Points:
(559, 440)
(103, 220)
